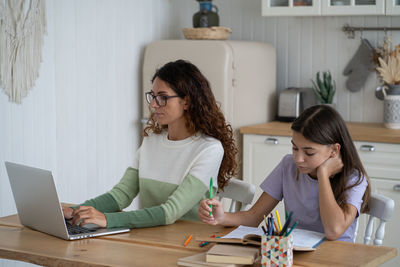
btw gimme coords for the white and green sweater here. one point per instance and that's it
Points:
(171, 178)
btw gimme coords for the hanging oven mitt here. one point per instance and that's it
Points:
(359, 67)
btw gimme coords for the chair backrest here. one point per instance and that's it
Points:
(238, 191)
(380, 207)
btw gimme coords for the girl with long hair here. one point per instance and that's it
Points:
(323, 181)
(186, 142)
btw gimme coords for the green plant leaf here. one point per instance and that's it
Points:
(332, 93)
(317, 93)
(322, 90)
(328, 83)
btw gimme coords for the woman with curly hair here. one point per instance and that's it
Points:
(186, 142)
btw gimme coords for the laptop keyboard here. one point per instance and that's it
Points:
(74, 229)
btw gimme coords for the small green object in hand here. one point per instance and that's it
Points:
(211, 193)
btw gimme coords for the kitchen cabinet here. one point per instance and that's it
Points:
(392, 7)
(353, 7)
(291, 7)
(264, 145)
(329, 7)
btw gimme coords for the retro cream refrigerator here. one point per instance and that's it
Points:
(242, 75)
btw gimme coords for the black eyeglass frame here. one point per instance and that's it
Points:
(156, 97)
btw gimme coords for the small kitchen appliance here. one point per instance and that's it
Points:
(292, 101)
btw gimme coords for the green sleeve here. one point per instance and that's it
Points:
(136, 219)
(102, 203)
(127, 188)
(188, 194)
(185, 197)
(120, 197)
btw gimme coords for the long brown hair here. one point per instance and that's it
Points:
(322, 124)
(203, 114)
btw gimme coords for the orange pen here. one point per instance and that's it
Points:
(188, 240)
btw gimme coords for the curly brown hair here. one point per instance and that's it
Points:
(203, 114)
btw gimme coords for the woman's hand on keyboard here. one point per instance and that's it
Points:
(87, 214)
(67, 212)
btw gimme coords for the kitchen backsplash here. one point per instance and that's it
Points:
(304, 46)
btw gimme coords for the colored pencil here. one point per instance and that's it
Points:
(279, 220)
(291, 229)
(188, 240)
(211, 193)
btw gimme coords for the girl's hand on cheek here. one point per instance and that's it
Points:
(330, 167)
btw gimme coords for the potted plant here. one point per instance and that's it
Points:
(325, 88)
(388, 68)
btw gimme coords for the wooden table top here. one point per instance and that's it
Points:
(369, 132)
(157, 246)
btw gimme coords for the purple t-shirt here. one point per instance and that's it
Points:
(301, 196)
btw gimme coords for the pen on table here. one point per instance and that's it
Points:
(188, 240)
(286, 225)
(202, 244)
(211, 193)
(291, 229)
(279, 220)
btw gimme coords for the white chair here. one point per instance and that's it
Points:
(380, 207)
(238, 191)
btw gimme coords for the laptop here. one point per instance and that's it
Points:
(39, 208)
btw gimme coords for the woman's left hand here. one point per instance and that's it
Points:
(330, 167)
(87, 214)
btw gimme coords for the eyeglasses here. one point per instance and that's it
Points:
(161, 100)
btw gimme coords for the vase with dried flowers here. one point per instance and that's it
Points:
(387, 63)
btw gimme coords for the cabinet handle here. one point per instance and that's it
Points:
(396, 187)
(272, 141)
(367, 148)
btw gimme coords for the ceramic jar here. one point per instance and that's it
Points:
(391, 110)
(207, 16)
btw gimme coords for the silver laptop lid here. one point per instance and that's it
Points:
(38, 205)
(36, 199)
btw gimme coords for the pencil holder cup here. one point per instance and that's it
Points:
(276, 250)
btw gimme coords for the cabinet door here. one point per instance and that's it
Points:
(392, 7)
(291, 7)
(353, 7)
(261, 154)
(380, 159)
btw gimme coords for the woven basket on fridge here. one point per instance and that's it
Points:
(212, 33)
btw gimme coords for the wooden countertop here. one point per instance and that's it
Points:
(370, 132)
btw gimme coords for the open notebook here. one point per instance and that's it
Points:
(303, 240)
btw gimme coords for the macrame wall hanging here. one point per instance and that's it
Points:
(22, 29)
